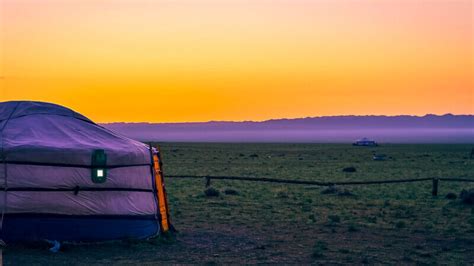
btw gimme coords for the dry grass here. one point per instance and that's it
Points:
(275, 223)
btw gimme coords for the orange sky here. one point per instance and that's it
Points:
(200, 60)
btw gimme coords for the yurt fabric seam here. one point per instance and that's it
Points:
(101, 216)
(76, 189)
(73, 116)
(74, 165)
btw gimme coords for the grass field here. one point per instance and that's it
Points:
(276, 223)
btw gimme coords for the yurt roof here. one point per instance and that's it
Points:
(44, 133)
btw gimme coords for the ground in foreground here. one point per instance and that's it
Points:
(276, 223)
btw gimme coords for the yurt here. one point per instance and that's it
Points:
(65, 178)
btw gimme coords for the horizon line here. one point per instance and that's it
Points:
(285, 118)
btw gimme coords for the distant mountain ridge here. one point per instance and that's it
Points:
(428, 128)
(447, 120)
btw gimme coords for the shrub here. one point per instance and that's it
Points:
(345, 193)
(365, 260)
(351, 169)
(281, 194)
(230, 191)
(451, 195)
(211, 192)
(330, 190)
(337, 191)
(467, 196)
(334, 218)
(352, 228)
(306, 208)
(400, 224)
(318, 249)
(344, 251)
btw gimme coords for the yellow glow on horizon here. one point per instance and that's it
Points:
(175, 61)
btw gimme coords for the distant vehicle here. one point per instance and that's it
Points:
(365, 142)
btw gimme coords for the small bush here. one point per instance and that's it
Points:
(372, 219)
(211, 192)
(344, 251)
(451, 195)
(281, 194)
(230, 191)
(400, 224)
(467, 196)
(306, 208)
(351, 169)
(334, 218)
(318, 249)
(337, 191)
(330, 190)
(352, 228)
(253, 155)
(345, 193)
(365, 260)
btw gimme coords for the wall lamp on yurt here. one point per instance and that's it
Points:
(99, 166)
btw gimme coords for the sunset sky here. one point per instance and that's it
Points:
(200, 60)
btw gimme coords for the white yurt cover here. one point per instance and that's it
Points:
(47, 190)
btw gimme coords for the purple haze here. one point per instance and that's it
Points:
(335, 129)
